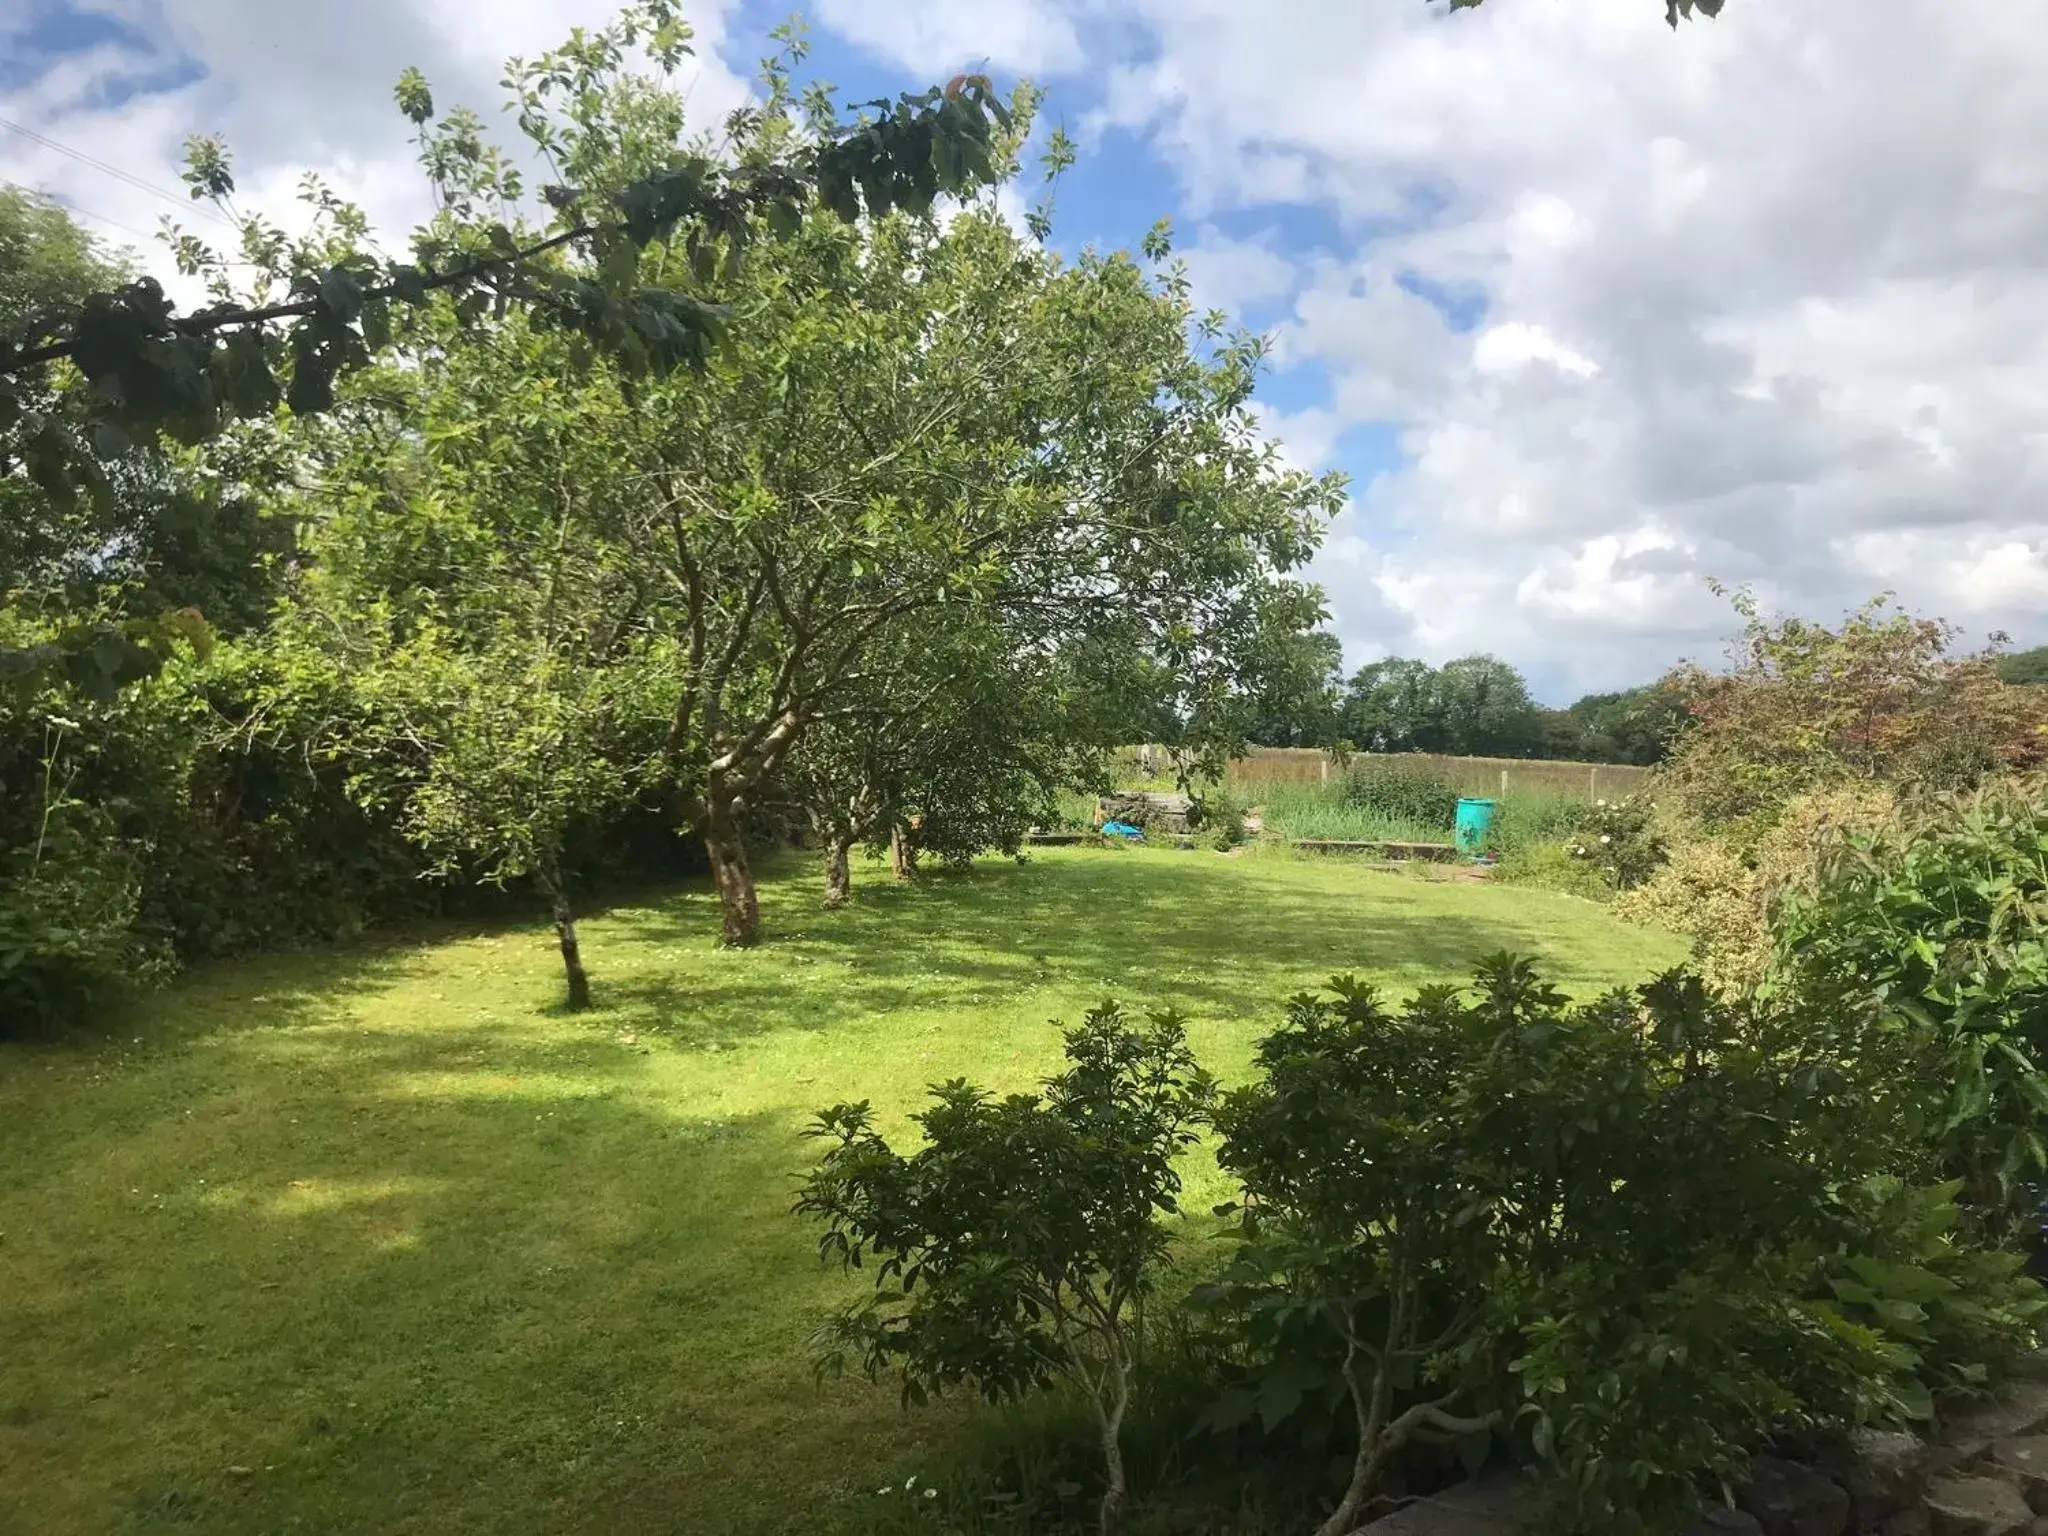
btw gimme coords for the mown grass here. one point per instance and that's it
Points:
(383, 1241)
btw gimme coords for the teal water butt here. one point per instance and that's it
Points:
(1475, 820)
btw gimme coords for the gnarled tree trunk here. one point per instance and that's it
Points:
(727, 849)
(902, 852)
(838, 870)
(565, 936)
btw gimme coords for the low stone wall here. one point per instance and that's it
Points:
(1984, 1474)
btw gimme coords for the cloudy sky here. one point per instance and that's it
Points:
(1590, 311)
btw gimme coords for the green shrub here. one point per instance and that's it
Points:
(1550, 867)
(1552, 841)
(1950, 1305)
(1015, 1248)
(67, 903)
(1614, 1233)
(1882, 699)
(1401, 792)
(1221, 814)
(1717, 884)
(1934, 934)
(1619, 838)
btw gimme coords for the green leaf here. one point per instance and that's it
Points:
(414, 99)
(376, 321)
(341, 294)
(312, 383)
(409, 285)
(243, 375)
(1915, 1401)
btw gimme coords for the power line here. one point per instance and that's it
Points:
(117, 173)
(99, 218)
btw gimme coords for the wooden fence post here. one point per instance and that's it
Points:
(1503, 783)
(1593, 785)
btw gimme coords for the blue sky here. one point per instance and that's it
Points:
(1113, 194)
(1589, 312)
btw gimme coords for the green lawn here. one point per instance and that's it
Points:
(382, 1241)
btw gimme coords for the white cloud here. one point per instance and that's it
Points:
(1307, 438)
(293, 88)
(1024, 36)
(1503, 349)
(1236, 275)
(1765, 299)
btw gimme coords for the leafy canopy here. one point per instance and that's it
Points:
(330, 305)
(1673, 9)
(1882, 698)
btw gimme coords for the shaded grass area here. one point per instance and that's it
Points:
(382, 1240)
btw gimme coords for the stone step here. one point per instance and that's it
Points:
(1976, 1506)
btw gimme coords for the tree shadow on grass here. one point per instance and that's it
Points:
(1147, 928)
(455, 1274)
(473, 1281)
(299, 985)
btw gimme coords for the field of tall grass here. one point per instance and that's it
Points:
(1299, 810)
(1336, 811)
(1307, 810)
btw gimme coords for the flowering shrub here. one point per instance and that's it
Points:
(1719, 887)
(1618, 837)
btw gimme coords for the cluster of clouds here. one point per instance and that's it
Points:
(1595, 310)
(1765, 300)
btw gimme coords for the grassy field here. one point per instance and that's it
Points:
(381, 1241)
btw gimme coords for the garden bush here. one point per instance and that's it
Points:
(211, 810)
(1933, 932)
(1550, 866)
(1811, 728)
(1561, 843)
(1881, 699)
(1015, 1249)
(1608, 1234)
(1718, 885)
(1400, 791)
(1629, 1241)
(1619, 838)
(67, 904)
(1219, 813)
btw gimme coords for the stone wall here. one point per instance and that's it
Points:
(1984, 1474)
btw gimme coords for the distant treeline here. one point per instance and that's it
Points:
(1475, 706)
(2024, 666)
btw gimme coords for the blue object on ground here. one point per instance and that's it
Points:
(1124, 830)
(1475, 820)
